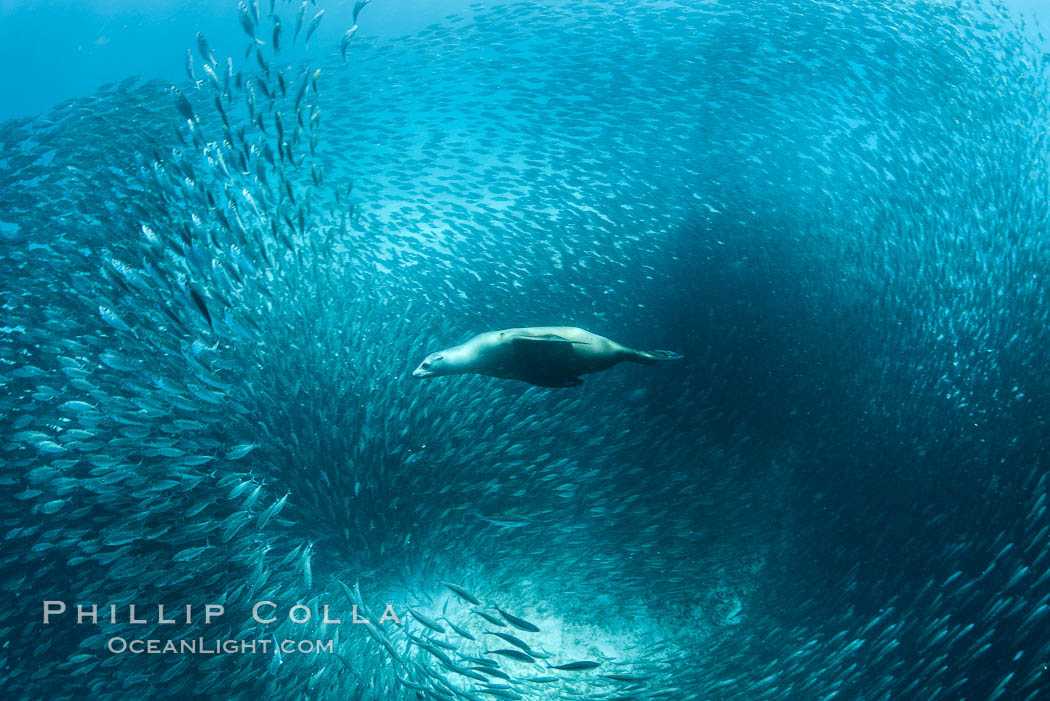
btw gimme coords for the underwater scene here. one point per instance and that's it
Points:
(663, 349)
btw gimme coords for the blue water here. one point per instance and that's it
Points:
(52, 51)
(215, 291)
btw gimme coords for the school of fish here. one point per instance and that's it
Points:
(214, 294)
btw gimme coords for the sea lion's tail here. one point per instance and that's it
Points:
(655, 356)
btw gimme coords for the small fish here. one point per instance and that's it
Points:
(275, 660)
(205, 50)
(279, 123)
(427, 621)
(301, 93)
(444, 644)
(190, 553)
(489, 617)
(519, 623)
(202, 307)
(185, 109)
(53, 506)
(492, 671)
(308, 573)
(508, 520)
(271, 511)
(462, 593)
(253, 497)
(189, 65)
(517, 642)
(512, 654)
(630, 678)
(212, 77)
(244, 14)
(225, 121)
(240, 450)
(299, 21)
(313, 27)
(575, 666)
(463, 633)
(76, 406)
(358, 6)
(111, 318)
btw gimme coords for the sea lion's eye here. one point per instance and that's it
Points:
(439, 357)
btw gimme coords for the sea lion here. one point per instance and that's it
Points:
(546, 356)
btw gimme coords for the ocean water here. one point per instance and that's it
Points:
(216, 280)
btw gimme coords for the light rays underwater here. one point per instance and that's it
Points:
(214, 294)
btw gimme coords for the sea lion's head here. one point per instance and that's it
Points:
(434, 365)
(464, 359)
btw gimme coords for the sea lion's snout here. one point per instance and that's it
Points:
(430, 367)
(424, 370)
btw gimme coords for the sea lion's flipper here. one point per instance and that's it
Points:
(553, 381)
(544, 360)
(537, 356)
(655, 356)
